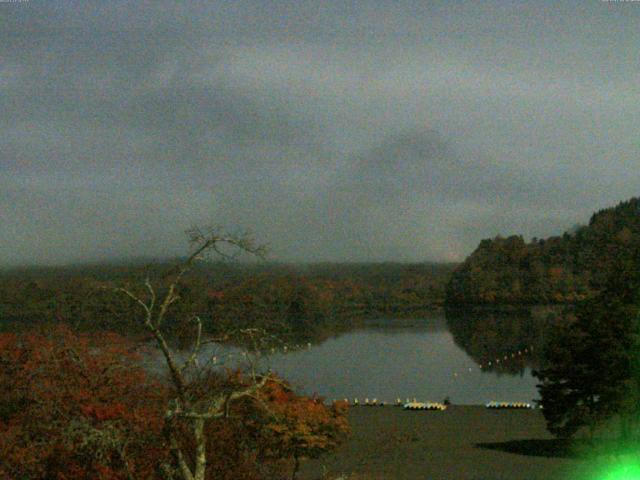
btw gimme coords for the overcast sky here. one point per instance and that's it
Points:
(334, 130)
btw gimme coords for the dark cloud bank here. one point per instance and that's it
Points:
(334, 130)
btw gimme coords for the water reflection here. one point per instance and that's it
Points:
(430, 358)
(503, 340)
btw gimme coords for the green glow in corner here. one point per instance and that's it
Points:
(629, 471)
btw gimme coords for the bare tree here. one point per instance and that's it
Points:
(188, 408)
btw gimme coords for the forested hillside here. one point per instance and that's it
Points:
(562, 269)
(301, 301)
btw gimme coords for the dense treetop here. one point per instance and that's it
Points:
(561, 269)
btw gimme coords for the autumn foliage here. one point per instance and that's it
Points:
(267, 436)
(301, 426)
(76, 406)
(562, 269)
(81, 406)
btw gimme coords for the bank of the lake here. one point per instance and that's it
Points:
(462, 443)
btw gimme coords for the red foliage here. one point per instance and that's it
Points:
(215, 294)
(76, 407)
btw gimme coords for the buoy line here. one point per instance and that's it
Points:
(439, 406)
(501, 360)
(508, 405)
(408, 405)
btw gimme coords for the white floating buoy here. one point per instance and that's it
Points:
(508, 405)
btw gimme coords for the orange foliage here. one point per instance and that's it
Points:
(301, 426)
(76, 407)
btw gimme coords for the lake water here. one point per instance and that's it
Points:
(398, 359)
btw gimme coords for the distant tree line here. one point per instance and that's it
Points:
(299, 302)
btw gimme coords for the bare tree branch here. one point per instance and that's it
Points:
(196, 411)
(193, 358)
(152, 294)
(137, 299)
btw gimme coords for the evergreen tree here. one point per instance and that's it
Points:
(591, 369)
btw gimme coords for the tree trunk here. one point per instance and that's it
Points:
(183, 468)
(201, 445)
(296, 467)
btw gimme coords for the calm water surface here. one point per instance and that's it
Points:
(398, 359)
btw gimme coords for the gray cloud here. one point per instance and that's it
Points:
(334, 130)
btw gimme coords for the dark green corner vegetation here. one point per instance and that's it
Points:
(589, 363)
(591, 373)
